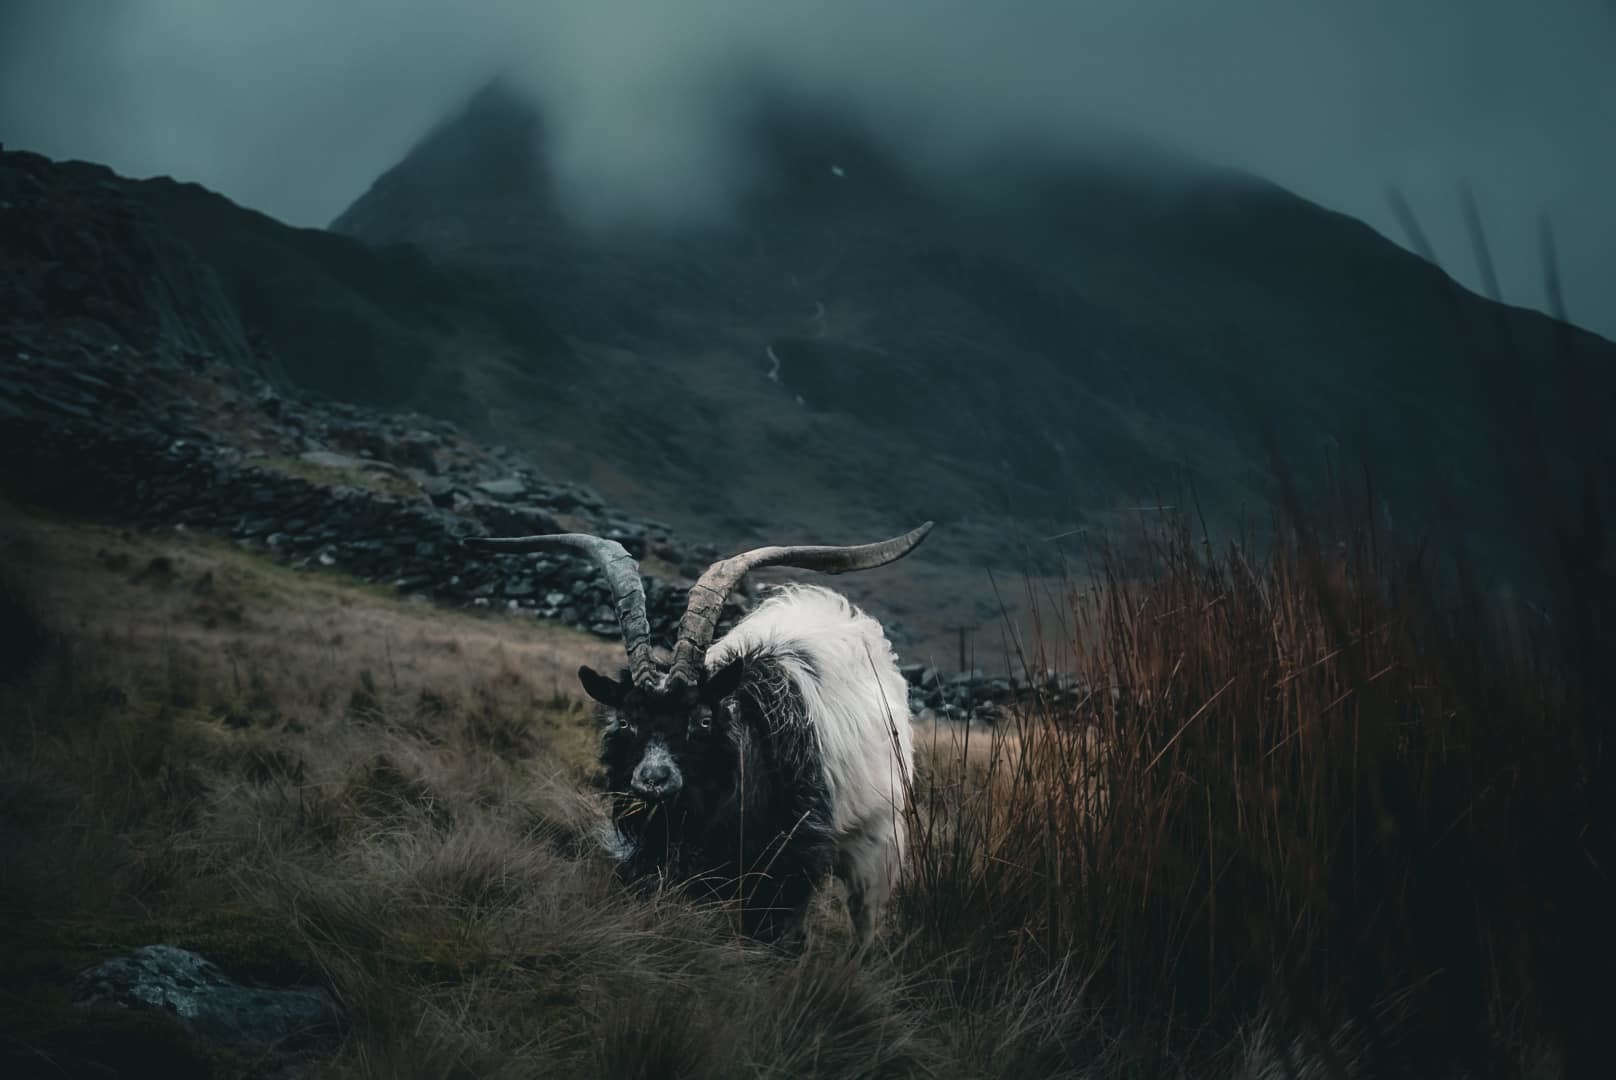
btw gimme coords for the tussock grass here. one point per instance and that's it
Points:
(1312, 817)
(1300, 789)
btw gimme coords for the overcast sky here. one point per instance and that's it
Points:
(294, 107)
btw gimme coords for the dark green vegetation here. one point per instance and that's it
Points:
(1311, 811)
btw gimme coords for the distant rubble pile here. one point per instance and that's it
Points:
(188, 442)
(977, 697)
(385, 497)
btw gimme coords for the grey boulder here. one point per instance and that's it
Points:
(206, 1000)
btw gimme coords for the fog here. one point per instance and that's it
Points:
(294, 108)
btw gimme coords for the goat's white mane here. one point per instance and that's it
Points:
(857, 700)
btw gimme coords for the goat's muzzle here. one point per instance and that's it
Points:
(656, 778)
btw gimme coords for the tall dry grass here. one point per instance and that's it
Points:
(1314, 816)
(1318, 788)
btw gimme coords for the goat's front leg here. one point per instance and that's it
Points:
(777, 899)
(867, 864)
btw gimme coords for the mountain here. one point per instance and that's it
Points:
(1020, 349)
(173, 360)
(1017, 347)
(151, 356)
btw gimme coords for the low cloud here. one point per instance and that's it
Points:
(294, 108)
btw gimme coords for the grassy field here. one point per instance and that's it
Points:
(1312, 819)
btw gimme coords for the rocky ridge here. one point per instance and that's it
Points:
(190, 442)
(384, 497)
(135, 387)
(193, 443)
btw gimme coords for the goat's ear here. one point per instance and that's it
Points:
(606, 691)
(722, 683)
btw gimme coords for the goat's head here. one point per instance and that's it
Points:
(662, 738)
(665, 723)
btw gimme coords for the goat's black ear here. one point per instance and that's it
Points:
(606, 691)
(722, 683)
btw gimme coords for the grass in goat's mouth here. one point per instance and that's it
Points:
(647, 807)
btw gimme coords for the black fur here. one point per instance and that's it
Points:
(750, 821)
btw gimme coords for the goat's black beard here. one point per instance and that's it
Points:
(694, 838)
(656, 835)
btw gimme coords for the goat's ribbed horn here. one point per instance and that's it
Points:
(707, 596)
(622, 574)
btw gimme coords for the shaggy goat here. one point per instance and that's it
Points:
(756, 766)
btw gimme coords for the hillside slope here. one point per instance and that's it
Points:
(177, 267)
(161, 311)
(171, 360)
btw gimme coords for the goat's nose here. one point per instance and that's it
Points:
(655, 775)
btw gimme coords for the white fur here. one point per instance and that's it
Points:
(858, 705)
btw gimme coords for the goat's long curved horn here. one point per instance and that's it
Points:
(622, 574)
(707, 596)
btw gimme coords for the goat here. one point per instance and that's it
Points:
(755, 767)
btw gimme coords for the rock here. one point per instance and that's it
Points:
(630, 535)
(416, 450)
(572, 496)
(505, 520)
(668, 552)
(206, 999)
(330, 459)
(508, 489)
(440, 490)
(913, 674)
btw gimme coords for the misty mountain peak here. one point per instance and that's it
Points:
(489, 151)
(496, 158)
(1021, 332)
